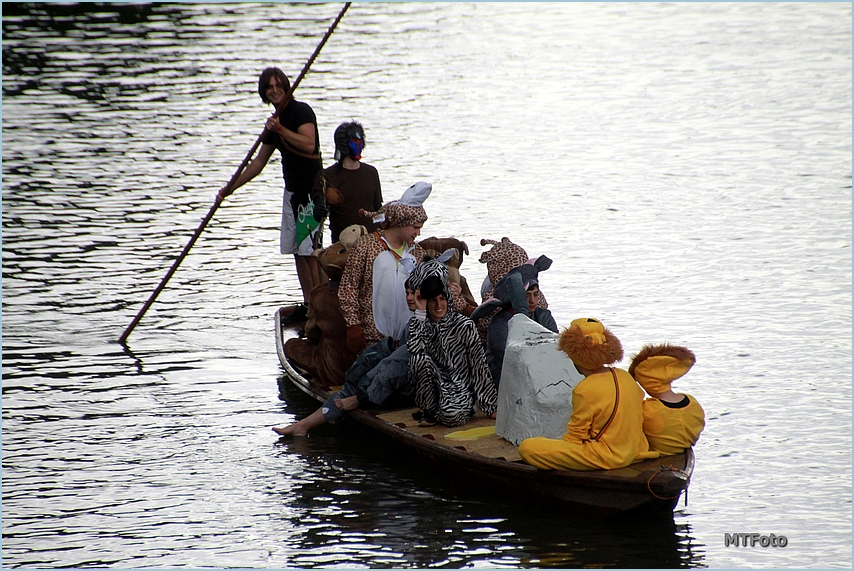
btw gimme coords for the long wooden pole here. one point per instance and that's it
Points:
(231, 182)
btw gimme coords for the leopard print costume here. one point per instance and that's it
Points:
(503, 257)
(355, 294)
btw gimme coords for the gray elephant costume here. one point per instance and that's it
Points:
(509, 295)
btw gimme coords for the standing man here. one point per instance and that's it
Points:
(349, 185)
(292, 129)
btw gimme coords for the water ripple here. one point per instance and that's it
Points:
(687, 166)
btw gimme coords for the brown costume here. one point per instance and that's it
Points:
(434, 247)
(323, 352)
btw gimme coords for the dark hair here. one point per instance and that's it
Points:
(432, 287)
(265, 79)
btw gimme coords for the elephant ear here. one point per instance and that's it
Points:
(485, 308)
(543, 263)
(446, 256)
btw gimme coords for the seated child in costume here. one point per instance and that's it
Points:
(517, 292)
(671, 421)
(380, 372)
(377, 376)
(605, 430)
(371, 292)
(447, 365)
(503, 257)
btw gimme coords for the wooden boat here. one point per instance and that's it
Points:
(645, 487)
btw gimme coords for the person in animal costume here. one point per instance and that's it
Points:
(517, 292)
(671, 421)
(605, 430)
(377, 379)
(447, 365)
(372, 294)
(323, 353)
(500, 259)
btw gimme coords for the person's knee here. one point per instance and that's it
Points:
(331, 413)
(535, 448)
(526, 449)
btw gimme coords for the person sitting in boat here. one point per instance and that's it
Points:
(517, 292)
(377, 379)
(380, 372)
(447, 365)
(671, 421)
(371, 292)
(605, 430)
(350, 184)
(323, 353)
(503, 257)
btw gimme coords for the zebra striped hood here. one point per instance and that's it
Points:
(431, 269)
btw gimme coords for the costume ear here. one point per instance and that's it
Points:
(543, 263)
(416, 194)
(485, 308)
(446, 256)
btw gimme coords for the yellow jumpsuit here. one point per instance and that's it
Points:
(672, 430)
(623, 443)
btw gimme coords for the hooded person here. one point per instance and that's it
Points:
(447, 365)
(605, 430)
(500, 259)
(349, 185)
(517, 292)
(451, 251)
(672, 421)
(372, 293)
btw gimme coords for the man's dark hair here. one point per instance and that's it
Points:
(264, 80)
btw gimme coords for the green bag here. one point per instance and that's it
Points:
(306, 223)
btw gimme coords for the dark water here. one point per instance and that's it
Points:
(687, 166)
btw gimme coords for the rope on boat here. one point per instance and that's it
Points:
(668, 468)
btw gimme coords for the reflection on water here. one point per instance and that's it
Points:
(417, 519)
(687, 166)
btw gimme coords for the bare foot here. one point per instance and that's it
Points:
(348, 403)
(290, 430)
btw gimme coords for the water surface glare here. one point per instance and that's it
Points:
(687, 167)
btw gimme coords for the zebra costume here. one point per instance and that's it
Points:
(447, 365)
